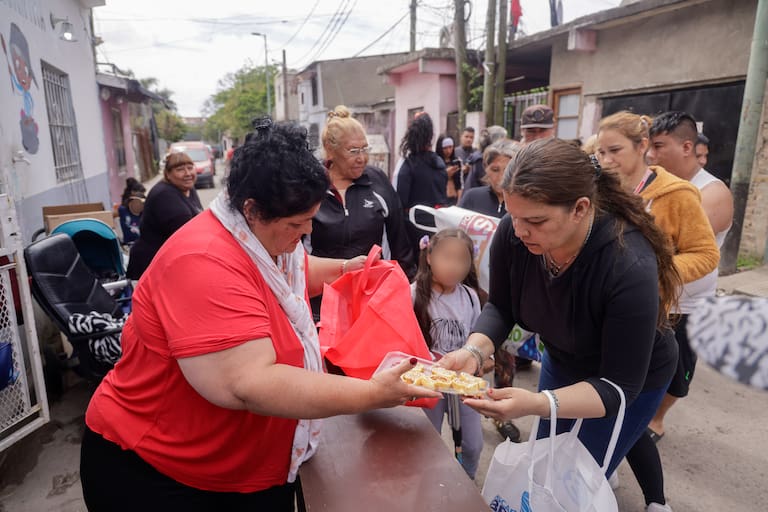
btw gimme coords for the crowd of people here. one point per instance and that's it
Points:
(601, 249)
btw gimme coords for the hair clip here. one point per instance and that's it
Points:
(262, 125)
(419, 114)
(596, 165)
(424, 242)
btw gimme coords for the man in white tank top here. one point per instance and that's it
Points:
(674, 137)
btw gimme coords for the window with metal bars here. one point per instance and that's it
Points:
(62, 123)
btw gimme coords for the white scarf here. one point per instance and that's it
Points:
(287, 280)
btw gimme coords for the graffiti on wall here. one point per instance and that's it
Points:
(22, 77)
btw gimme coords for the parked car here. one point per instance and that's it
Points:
(203, 159)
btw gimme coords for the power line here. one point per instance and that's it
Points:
(390, 29)
(342, 4)
(333, 36)
(302, 24)
(228, 20)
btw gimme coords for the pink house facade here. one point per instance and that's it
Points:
(424, 81)
(129, 131)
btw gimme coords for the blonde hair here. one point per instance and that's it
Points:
(632, 126)
(590, 145)
(340, 123)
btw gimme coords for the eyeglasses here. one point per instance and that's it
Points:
(355, 152)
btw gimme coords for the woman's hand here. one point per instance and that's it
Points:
(451, 170)
(509, 403)
(356, 263)
(388, 390)
(459, 360)
(463, 360)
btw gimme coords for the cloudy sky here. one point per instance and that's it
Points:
(188, 45)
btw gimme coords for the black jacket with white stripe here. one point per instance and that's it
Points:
(370, 214)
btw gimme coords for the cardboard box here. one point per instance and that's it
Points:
(55, 215)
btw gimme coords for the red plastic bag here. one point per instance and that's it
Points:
(365, 314)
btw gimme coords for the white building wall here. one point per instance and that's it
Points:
(33, 183)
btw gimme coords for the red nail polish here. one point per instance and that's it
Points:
(413, 360)
(490, 391)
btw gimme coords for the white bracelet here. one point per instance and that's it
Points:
(344, 267)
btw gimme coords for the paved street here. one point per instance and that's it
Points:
(715, 451)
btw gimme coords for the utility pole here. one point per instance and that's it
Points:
(285, 88)
(553, 17)
(266, 71)
(501, 63)
(413, 26)
(746, 139)
(460, 46)
(489, 65)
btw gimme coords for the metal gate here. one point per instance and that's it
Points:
(23, 402)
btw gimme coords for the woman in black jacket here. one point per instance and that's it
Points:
(169, 205)
(362, 208)
(423, 178)
(579, 261)
(445, 148)
(489, 199)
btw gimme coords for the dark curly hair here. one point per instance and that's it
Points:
(418, 137)
(277, 170)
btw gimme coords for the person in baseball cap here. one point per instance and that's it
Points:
(537, 122)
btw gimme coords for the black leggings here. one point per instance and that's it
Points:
(645, 462)
(117, 480)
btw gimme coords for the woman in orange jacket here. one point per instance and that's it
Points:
(622, 144)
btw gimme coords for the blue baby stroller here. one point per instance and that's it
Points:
(99, 247)
(77, 275)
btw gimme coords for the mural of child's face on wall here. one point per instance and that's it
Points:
(21, 68)
(22, 78)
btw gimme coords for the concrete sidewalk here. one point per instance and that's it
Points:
(750, 282)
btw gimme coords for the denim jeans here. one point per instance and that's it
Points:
(595, 433)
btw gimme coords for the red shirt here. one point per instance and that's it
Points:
(201, 294)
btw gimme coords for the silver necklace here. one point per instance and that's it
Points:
(553, 268)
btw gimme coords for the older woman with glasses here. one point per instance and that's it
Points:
(361, 208)
(169, 205)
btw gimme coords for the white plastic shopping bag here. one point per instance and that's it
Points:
(555, 474)
(479, 227)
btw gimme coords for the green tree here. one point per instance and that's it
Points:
(153, 84)
(170, 126)
(240, 97)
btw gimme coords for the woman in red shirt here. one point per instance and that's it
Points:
(214, 404)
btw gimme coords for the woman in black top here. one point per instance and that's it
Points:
(579, 261)
(169, 205)
(445, 148)
(489, 199)
(422, 178)
(362, 208)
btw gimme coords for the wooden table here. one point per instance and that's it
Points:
(389, 460)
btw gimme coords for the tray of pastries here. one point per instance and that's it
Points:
(427, 374)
